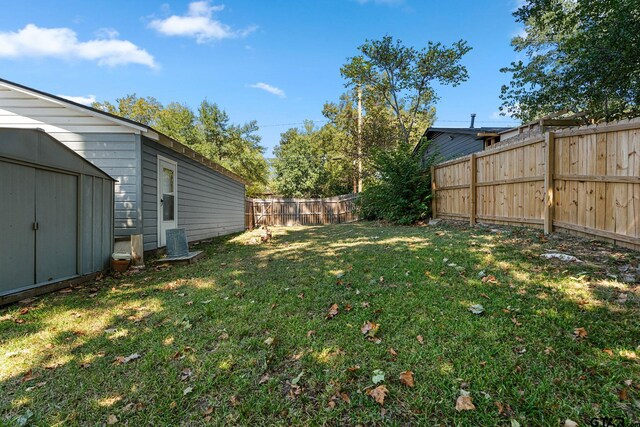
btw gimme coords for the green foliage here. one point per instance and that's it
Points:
(402, 78)
(580, 56)
(210, 133)
(400, 191)
(304, 166)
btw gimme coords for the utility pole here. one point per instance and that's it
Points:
(359, 139)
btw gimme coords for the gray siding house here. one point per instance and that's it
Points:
(450, 143)
(160, 183)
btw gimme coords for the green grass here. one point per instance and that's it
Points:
(214, 318)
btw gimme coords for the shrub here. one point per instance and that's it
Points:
(400, 190)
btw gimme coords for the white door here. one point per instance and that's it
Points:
(167, 198)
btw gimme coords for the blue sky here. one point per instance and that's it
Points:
(274, 61)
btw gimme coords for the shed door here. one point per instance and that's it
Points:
(57, 217)
(167, 198)
(17, 215)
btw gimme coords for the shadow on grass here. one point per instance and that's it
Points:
(206, 327)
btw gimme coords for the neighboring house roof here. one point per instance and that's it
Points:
(428, 134)
(141, 128)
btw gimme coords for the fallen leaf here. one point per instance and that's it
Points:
(406, 378)
(348, 307)
(223, 336)
(264, 379)
(464, 403)
(28, 376)
(345, 397)
(333, 312)
(369, 329)
(354, 368)
(297, 379)
(301, 295)
(623, 394)
(112, 419)
(392, 352)
(234, 401)
(309, 333)
(476, 309)
(185, 374)
(608, 351)
(515, 321)
(490, 279)
(378, 376)
(269, 341)
(420, 339)
(570, 423)
(187, 391)
(580, 332)
(121, 360)
(378, 394)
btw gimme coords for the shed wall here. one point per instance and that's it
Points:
(57, 212)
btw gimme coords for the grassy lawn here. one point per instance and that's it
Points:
(243, 337)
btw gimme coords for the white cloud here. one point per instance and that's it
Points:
(85, 100)
(199, 23)
(268, 88)
(35, 42)
(107, 33)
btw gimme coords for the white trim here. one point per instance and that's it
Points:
(159, 159)
(76, 107)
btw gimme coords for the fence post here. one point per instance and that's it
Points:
(549, 167)
(472, 189)
(434, 204)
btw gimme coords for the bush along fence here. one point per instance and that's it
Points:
(583, 180)
(288, 212)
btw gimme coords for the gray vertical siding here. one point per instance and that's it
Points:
(447, 146)
(71, 200)
(209, 204)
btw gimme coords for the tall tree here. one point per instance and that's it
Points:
(404, 77)
(581, 56)
(299, 165)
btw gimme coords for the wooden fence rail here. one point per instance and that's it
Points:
(288, 212)
(582, 180)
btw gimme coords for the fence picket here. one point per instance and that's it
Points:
(584, 181)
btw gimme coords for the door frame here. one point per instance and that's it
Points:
(159, 160)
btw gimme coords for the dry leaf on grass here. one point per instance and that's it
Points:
(464, 402)
(333, 312)
(406, 378)
(121, 360)
(420, 339)
(379, 393)
(370, 329)
(112, 419)
(580, 333)
(570, 423)
(490, 279)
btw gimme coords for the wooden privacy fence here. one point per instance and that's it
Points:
(279, 211)
(583, 180)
